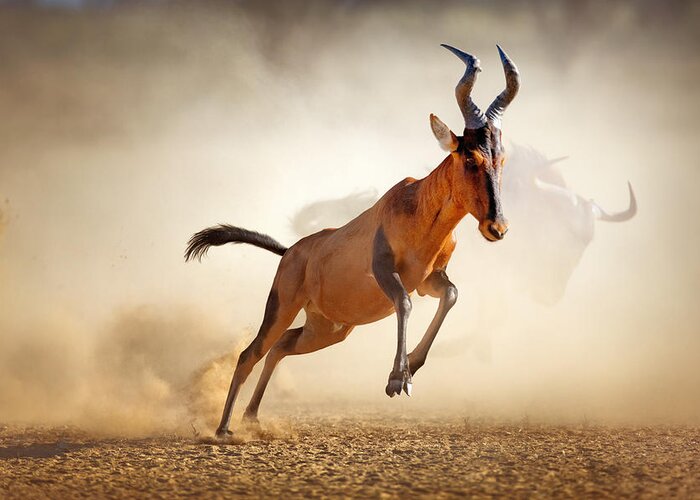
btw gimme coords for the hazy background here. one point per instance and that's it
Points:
(127, 126)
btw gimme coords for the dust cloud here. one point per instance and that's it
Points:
(127, 127)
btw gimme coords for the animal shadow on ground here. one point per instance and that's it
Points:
(38, 450)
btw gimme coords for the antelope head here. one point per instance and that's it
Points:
(478, 155)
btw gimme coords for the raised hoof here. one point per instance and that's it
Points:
(397, 383)
(393, 388)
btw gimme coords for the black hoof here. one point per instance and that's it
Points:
(393, 388)
(223, 433)
(399, 382)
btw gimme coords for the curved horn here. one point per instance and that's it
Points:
(556, 160)
(558, 190)
(501, 102)
(618, 216)
(473, 117)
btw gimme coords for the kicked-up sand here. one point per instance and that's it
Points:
(358, 456)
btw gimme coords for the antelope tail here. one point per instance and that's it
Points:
(200, 242)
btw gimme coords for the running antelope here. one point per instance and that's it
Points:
(367, 269)
(556, 225)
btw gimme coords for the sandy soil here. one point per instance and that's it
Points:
(358, 457)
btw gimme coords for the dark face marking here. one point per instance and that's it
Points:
(482, 155)
(492, 192)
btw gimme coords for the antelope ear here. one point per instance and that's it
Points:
(448, 141)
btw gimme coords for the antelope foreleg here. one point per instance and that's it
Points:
(435, 285)
(384, 269)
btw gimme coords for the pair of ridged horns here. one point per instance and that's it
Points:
(473, 117)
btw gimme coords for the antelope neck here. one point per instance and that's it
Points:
(439, 206)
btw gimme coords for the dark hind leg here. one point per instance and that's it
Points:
(317, 333)
(436, 285)
(278, 316)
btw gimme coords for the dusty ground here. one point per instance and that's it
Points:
(359, 457)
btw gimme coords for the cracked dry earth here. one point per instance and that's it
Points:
(365, 457)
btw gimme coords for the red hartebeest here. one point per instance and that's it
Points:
(367, 269)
